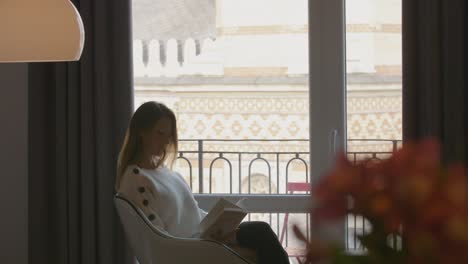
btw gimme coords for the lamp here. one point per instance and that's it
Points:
(40, 30)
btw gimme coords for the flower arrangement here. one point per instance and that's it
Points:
(410, 196)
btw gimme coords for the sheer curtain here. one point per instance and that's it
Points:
(435, 74)
(78, 113)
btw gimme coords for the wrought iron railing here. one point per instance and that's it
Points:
(244, 152)
(386, 148)
(357, 225)
(199, 156)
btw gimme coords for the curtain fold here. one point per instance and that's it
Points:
(78, 113)
(435, 74)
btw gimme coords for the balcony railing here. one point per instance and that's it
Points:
(233, 166)
(251, 151)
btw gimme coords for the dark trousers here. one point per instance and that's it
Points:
(260, 237)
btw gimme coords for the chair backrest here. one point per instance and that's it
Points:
(292, 187)
(154, 246)
(298, 187)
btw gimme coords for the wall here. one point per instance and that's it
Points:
(14, 163)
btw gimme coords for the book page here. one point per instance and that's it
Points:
(223, 218)
(241, 203)
(224, 224)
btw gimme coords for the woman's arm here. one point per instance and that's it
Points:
(202, 212)
(146, 196)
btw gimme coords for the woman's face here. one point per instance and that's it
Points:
(158, 137)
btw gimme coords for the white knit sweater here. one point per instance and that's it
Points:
(165, 198)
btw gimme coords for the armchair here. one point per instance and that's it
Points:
(152, 245)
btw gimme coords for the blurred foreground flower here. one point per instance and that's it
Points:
(410, 197)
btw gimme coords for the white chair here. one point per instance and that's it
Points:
(154, 246)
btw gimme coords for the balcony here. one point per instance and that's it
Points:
(265, 167)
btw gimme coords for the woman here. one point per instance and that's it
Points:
(164, 196)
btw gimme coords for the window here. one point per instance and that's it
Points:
(265, 102)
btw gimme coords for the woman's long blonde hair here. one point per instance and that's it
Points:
(144, 118)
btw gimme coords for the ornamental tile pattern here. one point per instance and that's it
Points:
(218, 115)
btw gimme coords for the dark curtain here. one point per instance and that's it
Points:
(78, 114)
(435, 74)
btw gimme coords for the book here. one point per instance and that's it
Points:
(222, 219)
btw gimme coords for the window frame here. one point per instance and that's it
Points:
(327, 111)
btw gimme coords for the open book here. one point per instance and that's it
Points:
(223, 218)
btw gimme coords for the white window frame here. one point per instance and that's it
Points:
(327, 91)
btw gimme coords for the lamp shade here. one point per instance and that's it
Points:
(35, 31)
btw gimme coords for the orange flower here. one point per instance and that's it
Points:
(381, 205)
(415, 189)
(456, 228)
(434, 213)
(410, 194)
(456, 188)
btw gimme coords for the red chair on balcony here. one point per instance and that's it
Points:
(294, 252)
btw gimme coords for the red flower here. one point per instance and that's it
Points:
(410, 193)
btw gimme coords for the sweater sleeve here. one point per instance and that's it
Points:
(202, 212)
(145, 196)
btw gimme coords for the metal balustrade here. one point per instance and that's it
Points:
(241, 158)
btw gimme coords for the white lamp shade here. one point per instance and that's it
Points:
(40, 30)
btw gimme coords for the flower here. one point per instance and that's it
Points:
(411, 196)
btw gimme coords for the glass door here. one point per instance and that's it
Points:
(258, 87)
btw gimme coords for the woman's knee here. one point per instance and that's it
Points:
(256, 224)
(265, 227)
(257, 227)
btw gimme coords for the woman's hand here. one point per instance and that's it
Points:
(228, 238)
